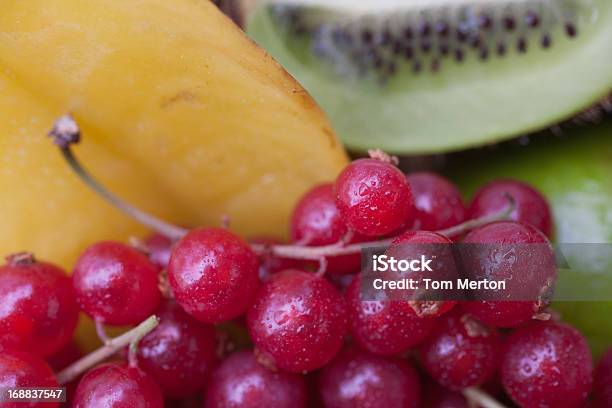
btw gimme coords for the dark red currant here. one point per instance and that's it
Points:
(522, 257)
(531, 206)
(241, 382)
(298, 321)
(356, 379)
(461, 352)
(384, 327)
(373, 197)
(436, 396)
(316, 221)
(116, 284)
(602, 385)
(213, 274)
(159, 249)
(547, 364)
(438, 249)
(437, 200)
(179, 353)
(117, 385)
(23, 370)
(38, 313)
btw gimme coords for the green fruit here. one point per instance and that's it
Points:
(351, 56)
(574, 171)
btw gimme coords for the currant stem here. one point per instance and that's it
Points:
(111, 347)
(481, 398)
(316, 253)
(66, 132)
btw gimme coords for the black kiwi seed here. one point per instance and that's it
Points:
(424, 28)
(501, 49)
(546, 41)
(532, 19)
(425, 45)
(442, 29)
(459, 55)
(485, 22)
(475, 40)
(408, 53)
(484, 53)
(509, 23)
(416, 67)
(462, 33)
(397, 48)
(521, 45)
(407, 32)
(570, 30)
(444, 49)
(366, 36)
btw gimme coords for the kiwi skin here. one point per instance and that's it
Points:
(449, 105)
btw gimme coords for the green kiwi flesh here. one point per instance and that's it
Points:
(471, 72)
(574, 171)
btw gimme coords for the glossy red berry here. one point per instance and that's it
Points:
(316, 221)
(438, 249)
(23, 370)
(159, 249)
(518, 254)
(547, 364)
(116, 284)
(602, 385)
(436, 396)
(356, 379)
(179, 354)
(117, 385)
(461, 352)
(373, 197)
(38, 313)
(531, 206)
(213, 274)
(298, 321)
(437, 201)
(241, 382)
(384, 327)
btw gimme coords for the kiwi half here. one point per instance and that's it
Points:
(433, 76)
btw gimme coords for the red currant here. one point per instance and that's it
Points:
(602, 385)
(373, 197)
(437, 200)
(213, 274)
(23, 370)
(159, 248)
(518, 254)
(316, 221)
(116, 284)
(384, 327)
(355, 379)
(531, 206)
(436, 396)
(547, 364)
(297, 321)
(38, 313)
(461, 352)
(437, 248)
(240, 381)
(179, 353)
(117, 385)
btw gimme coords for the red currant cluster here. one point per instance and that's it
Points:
(315, 342)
